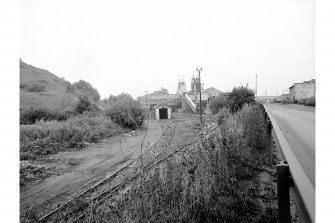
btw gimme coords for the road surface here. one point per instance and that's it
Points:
(297, 123)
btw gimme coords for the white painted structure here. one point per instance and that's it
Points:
(162, 111)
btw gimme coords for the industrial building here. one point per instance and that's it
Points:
(183, 100)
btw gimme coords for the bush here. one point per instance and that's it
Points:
(223, 116)
(239, 96)
(126, 113)
(87, 89)
(28, 117)
(69, 87)
(213, 181)
(217, 103)
(50, 137)
(84, 105)
(36, 87)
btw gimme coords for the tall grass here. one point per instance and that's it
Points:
(48, 137)
(213, 182)
(30, 116)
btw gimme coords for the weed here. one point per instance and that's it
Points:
(49, 137)
(213, 182)
(30, 116)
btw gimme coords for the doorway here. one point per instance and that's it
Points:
(163, 113)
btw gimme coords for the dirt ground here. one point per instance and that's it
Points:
(69, 173)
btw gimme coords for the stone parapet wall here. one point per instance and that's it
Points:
(302, 91)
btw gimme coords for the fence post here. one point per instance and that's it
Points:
(269, 142)
(283, 184)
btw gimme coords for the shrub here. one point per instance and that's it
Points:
(217, 103)
(36, 87)
(30, 116)
(48, 137)
(214, 181)
(69, 87)
(126, 113)
(239, 96)
(87, 89)
(223, 116)
(85, 105)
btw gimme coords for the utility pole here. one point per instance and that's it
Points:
(199, 71)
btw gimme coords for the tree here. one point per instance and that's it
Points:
(83, 104)
(218, 103)
(69, 87)
(125, 111)
(239, 96)
(87, 89)
(121, 97)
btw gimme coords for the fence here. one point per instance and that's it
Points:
(290, 177)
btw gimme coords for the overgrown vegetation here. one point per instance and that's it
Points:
(69, 87)
(239, 96)
(49, 137)
(216, 181)
(30, 116)
(85, 105)
(125, 111)
(86, 88)
(218, 103)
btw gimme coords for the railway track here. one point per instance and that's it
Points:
(82, 204)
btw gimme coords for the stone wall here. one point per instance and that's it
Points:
(301, 91)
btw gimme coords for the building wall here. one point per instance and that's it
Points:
(157, 112)
(302, 91)
(174, 103)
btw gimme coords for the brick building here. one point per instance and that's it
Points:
(159, 97)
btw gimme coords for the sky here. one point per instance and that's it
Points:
(135, 46)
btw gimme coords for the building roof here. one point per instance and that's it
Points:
(161, 91)
(305, 82)
(164, 96)
(161, 96)
(162, 105)
(212, 91)
(208, 91)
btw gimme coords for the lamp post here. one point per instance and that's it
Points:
(199, 69)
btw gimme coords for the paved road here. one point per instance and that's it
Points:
(297, 123)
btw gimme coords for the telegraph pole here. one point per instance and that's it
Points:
(199, 71)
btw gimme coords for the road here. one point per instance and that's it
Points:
(297, 123)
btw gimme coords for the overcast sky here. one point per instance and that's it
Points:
(136, 46)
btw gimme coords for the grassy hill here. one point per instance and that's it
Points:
(41, 88)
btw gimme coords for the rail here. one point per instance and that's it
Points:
(291, 178)
(96, 194)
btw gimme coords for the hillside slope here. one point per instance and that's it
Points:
(41, 88)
